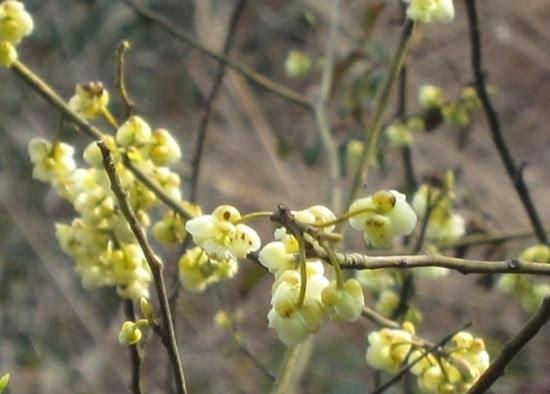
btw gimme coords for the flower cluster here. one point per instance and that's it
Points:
(454, 369)
(221, 239)
(428, 11)
(456, 113)
(302, 296)
(435, 109)
(382, 216)
(444, 224)
(99, 239)
(530, 293)
(90, 100)
(465, 360)
(15, 24)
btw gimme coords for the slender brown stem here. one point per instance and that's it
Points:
(135, 358)
(465, 266)
(374, 129)
(481, 239)
(515, 172)
(185, 38)
(120, 82)
(168, 332)
(512, 348)
(207, 109)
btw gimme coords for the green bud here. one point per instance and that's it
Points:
(146, 308)
(129, 333)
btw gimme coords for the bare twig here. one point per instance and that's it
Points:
(184, 37)
(206, 111)
(464, 266)
(320, 111)
(481, 239)
(374, 129)
(168, 332)
(515, 172)
(135, 358)
(378, 319)
(512, 348)
(120, 82)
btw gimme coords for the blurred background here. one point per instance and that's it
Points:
(56, 337)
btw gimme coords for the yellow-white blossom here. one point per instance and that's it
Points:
(344, 303)
(134, 132)
(197, 269)
(431, 96)
(383, 216)
(90, 100)
(399, 135)
(293, 322)
(220, 234)
(15, 22)
(427, 11)
(388, 348)
(52, 161)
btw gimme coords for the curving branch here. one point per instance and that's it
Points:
(168, 333)
(207, 110)
(512, 348)
(465, 266)
(187, 39)
(515, 172)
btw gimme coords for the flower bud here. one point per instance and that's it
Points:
(8, 54)
(297, 64)
(129, 334)
(399, 135)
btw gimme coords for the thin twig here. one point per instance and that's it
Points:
(373, 131)
(379, 319)
(186, 38)
(515, 172)
(320, 111)
(207, 109)
(465, 266)
(120, 81)
(481, 239)
(168, 332)
(135, 358)
(512, 348)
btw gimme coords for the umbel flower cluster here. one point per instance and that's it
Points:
(99, 238)
(452, 369)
